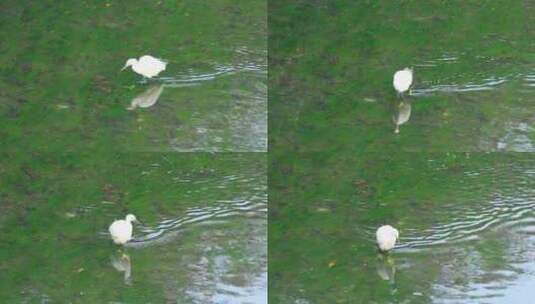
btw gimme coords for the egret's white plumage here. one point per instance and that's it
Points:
(403, 80)
(402, 115)
(121, 230)
(147, 65)
(386, 237)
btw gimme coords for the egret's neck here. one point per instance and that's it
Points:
(131, 62)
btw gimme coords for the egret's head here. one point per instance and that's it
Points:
(131, 218)
(396, 232)
(129, 62)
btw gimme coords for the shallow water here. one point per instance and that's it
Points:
(203, 237)
(83, 143)
(450, 181)
(466, 225)
(332, 62)
(62, 88)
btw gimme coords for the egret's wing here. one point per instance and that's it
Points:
(129, 230)
(152, 60)
(402, 80)
(151, 66)
(162, 64)
(146, 58)
(116, 227)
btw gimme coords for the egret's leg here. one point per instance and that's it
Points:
(382, 254)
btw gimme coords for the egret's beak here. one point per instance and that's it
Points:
(125, 66)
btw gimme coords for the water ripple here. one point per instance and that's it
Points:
(471, 224)
(247, 60)
(529, 80)
(511, 204)
(168, 229)
(487, 84)
(192, 77)
(483, 83)
(516, 138)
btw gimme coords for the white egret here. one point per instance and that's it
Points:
(121, 230)
(403, 80)
(147, 65)
(402, 115)
(386, 237)
(148, 98)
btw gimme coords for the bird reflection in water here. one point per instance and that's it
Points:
(121, 262)
(148, 98)
(402, 114)
(386, 269)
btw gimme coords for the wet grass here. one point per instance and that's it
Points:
(54, 225)
(73, 158)
(324, 209)
(60, 77)
(331, 77)
(338, 171)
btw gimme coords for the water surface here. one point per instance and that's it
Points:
(83, 144)
(466, 225)
(332, 63)
(62, 87)
(338, 170)
(203, 237)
